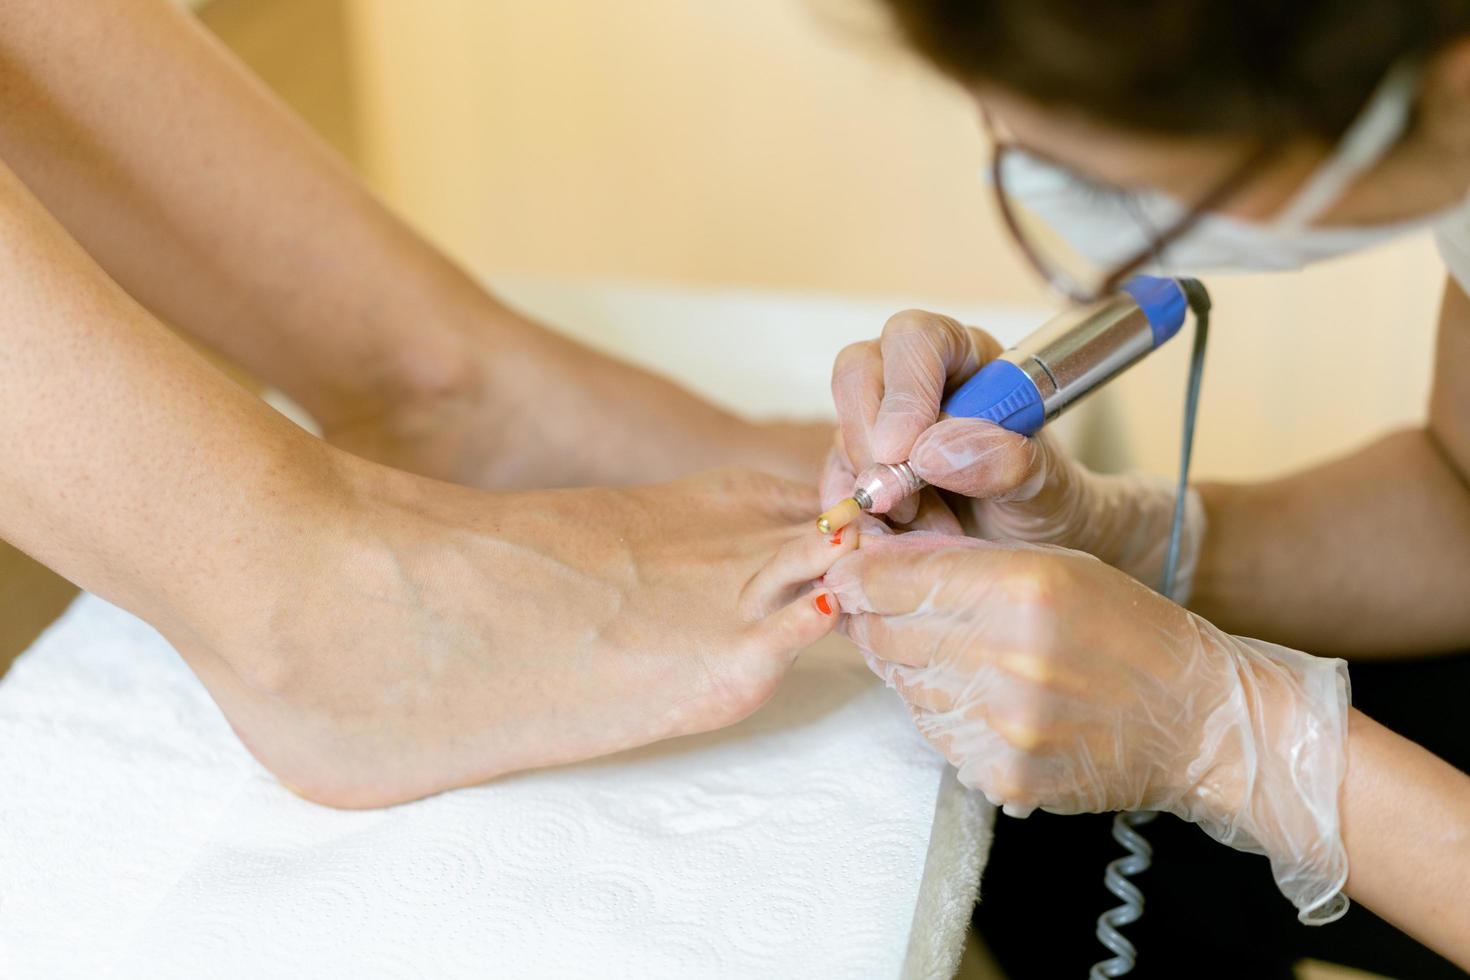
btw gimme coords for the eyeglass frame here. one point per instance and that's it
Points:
(1068, 285)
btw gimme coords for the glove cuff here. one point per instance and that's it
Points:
(1280, 743)
(1134, 536)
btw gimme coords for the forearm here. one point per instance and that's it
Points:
(1406, 825)
(1364, 556)
(1367, 556)
(219, 212)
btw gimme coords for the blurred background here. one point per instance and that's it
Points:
(792, 144)
(785, 145)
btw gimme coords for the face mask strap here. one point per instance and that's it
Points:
(1367, 141)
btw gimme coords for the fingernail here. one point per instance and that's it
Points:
(837, 538)
(823, 602)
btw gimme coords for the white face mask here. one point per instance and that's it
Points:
(1107, 226)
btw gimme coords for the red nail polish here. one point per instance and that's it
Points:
(837, 538)
(823, 602)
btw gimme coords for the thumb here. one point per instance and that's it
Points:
(980, 459)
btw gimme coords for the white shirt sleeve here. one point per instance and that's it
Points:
(1452, 235)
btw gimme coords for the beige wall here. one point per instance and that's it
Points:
(774, 143)
(749, 141)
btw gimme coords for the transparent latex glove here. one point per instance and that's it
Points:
(999, 484)
(1051, 680)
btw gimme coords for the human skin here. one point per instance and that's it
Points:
(373, 635)
(226, 218)
(1364, 557)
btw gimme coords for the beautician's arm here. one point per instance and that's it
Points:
(1366, 554)
(223, 215)
(1406, 826)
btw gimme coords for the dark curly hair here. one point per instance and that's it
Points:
(1195, 67)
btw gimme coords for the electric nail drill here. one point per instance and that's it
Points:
(1022, 390)
(1035, 381)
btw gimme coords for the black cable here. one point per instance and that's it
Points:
(1199, 304)
(1125, 825)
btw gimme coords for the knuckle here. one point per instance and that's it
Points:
(986, 347)
(907, 322)
(921, 400)
(944, 744)
(1026, 724)
(906, 326)
(1032, 589)
(1034, 596)
(1015, 779)
(907, 687)
(1028, 667)
(852, 359)
(1024, 466)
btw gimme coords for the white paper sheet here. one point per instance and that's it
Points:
(138, 839)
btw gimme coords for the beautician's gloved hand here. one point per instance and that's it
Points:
(1001, 485)
(1051, 680)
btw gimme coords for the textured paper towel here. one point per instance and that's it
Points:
(138, 839)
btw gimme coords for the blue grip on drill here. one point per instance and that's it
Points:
(1001, 392)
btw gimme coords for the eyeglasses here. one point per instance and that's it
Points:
(1134, 229)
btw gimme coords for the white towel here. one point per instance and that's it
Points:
(138, 839)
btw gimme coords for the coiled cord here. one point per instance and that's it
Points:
(1137, 860)
(1140, 854)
